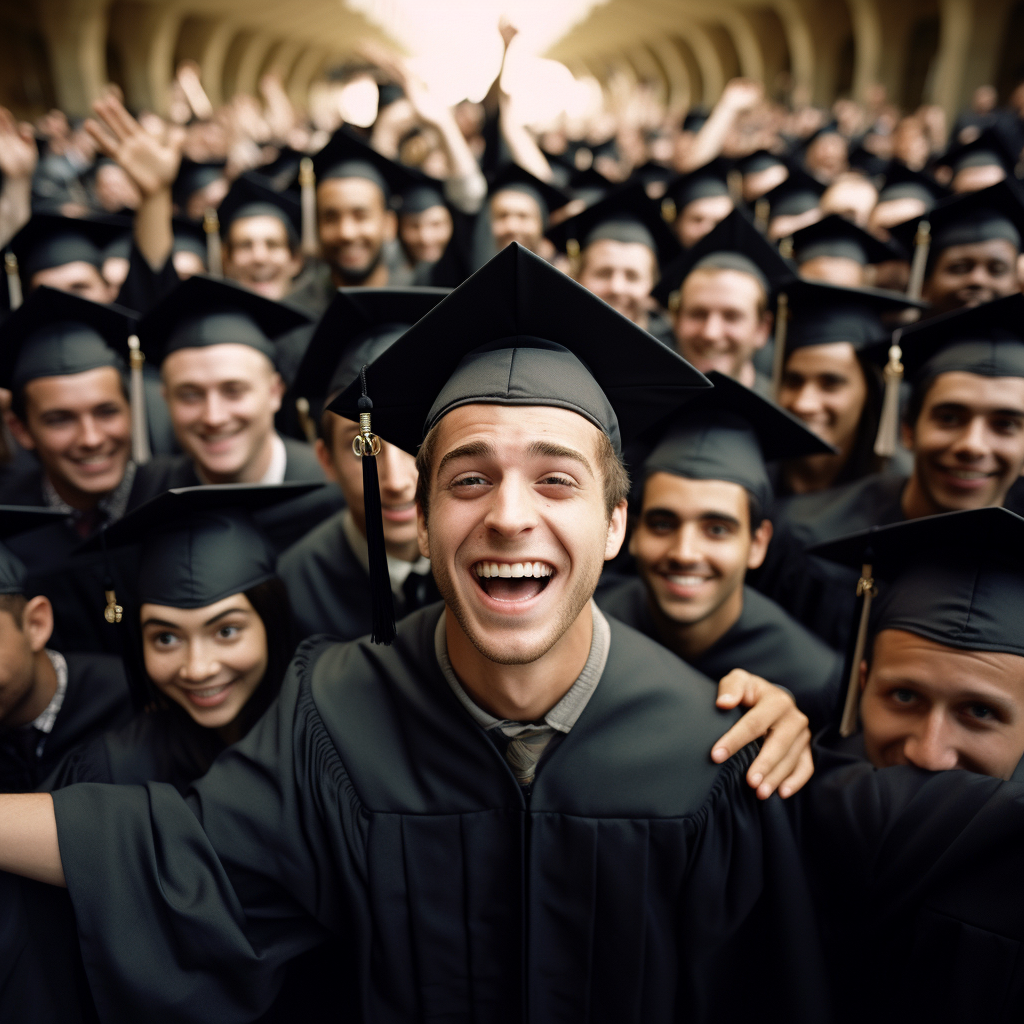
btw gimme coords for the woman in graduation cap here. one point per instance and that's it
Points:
(211, 637)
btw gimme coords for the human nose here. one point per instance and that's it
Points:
(214, 409)
(685, 547)
(199, 663)
(394, 471)
(91, 436)
(512, 507)
(930, 747)
(805, 402)
(972, 441)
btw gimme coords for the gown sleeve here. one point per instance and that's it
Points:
(189, 908)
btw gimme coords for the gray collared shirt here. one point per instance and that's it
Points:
(47, 718)
(528, 740)
(111, 506)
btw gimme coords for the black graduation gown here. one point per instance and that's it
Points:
(74, 582)
(634, 884)
(96, 700)
(284, 524)
(763, 640)
(818, 594)
(328, 588)
(313, 289)
(918, 883)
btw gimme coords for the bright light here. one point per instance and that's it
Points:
(455, 48)
(357, 102)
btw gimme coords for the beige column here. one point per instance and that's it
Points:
(250, 62)
(309, 64)
(680, 88)
(145, 36)
(954, 42)
(206, 41)
(744, 38)
(281, 58)
(75, 32)
(867, 45)
(801, 44)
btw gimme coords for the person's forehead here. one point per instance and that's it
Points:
(694, 497)
(836, 356)
(706, 205)
(342, 193)
(891, 212)
(209, 363)
(607, 252)
(429, 215)
(994, 247)
(727, 286)
(194, 617)
(977, 390)
(264, 225)
(102, 383)
(512, 200)
(77, 269)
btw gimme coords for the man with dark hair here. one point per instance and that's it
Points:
(510, 813)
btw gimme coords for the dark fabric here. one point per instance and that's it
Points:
(313, 290)
(764, 640)
(367, 803)
(917, 880)
(328, 588)
(96, 700)
(144, 287)
(819, 594)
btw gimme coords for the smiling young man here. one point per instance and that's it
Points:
(509, 813)
(213, 343)
(703, 522)
(327, 571)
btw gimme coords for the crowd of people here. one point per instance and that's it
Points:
(454, 570)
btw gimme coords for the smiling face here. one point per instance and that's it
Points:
(721, 321)
(259, 256)
(693, 546)
(208, 660)
(353, 223)
(79, 278)
(968, 443)
(701, 217)
(80, 427)
(824, 387)
(514, 490)
(222, 400)
(621, 273)
(940, 707)
(425, 235)
(968, 275)
(516, 217)
(396, 471)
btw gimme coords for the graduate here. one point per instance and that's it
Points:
(425, 227)
(50, 702)
(990, 157)
(617, 249)
(355, 191)
(918, 865)
(963, 423)
(210, 635)
(905, 195)
(704, 520)
(64, 360)
(260, 233)
(836, 251)
(213, 343)
(327, 571)
(498, 815)
(698, 201)
(721, 294)
(792, 205)
(970, 248)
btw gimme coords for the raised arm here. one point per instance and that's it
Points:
(18, 159)
(28, 837)
(739, 96)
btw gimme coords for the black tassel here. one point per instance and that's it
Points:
(382, 607)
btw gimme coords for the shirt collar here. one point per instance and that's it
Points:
(111, 506)
(564, 715)
(46, 720)
(398, 568)
(278, 461)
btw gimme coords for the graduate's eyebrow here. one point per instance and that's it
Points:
(550, 450)
(474, 449)
(177, 625)
(704, 517)
(220, 615)
(964, 407)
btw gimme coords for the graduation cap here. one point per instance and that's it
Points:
(419, 199)
(56, 334)
(518, 332)
(348, 156)
(49, 240)
(832, 128)
(358, 325)
(199, 544)
(627, 215)
(950, 578)
(799, 193)
(648, 174)
(761, 160)
(283, 170)
(203, 311)
(590, 185)
(193, 176)
(991, 148)
(868, 163)
(710, 180)
(250, 196)
(189, 237)
(903, 183)
(729, 433)
(513, 178)
(15, 519)
(965, 219)
(838, 237)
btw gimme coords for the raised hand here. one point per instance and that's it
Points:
(151, 161)
(18, 152)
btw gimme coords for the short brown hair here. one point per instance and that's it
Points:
(609, 463)
(14, 605)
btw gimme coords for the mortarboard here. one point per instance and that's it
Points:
(903, 183)
(759, 161)
(283, 170)
(49, 240)
(590, 186)
(991, 148)
(348, 156)
(966, 219)
(513, 178)
(950, 578)
(15, 519)
(199, 544)
(627, 215)
(648, 173)
(420, 198)
(836, 236)
(729, 433)
(189, 237)
(518, 332)
(710, 180)
(358, 325)
(252, 196)
(799, 193)
(203, 311)
(194, 176)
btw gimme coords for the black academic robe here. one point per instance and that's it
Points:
(313, 290)
(328, 588)
(763, 640)
(818, 594)
(636, 882)
(96, 699)
(73, 582)
(285, 523)
(917, 880)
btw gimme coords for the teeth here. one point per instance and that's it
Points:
(966, 474)
(212, 692)
(512, 570)
(686, 581)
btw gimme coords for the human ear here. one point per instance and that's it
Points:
(37, 622)
(422, 536)
(759, 544)
(616, 530)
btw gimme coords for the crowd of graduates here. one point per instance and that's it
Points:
(457, 571)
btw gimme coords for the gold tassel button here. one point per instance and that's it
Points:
(113, 612)
(366, 442)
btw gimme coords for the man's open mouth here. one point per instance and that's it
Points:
(513, 581)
